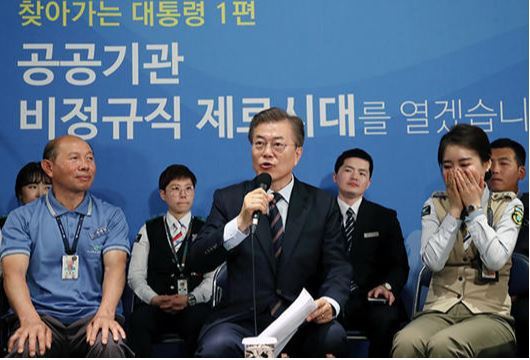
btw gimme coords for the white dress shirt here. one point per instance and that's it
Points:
(343, 206)
(137, 277)
(495, 244)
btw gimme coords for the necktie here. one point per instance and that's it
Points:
(177, 238)
(277, 231)
(276, 224)
(348, 229)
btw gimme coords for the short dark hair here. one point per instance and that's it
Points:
(175, 171)
(273, 115)
(356, 153)
(518, 149)
(468, 136)
(31, 173)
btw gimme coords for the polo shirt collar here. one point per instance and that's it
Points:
(57, 209)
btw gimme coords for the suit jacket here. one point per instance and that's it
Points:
(313, 253)
(378, 252)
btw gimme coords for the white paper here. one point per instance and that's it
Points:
(290, 320)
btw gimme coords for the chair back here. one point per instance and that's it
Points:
(422, 287)
(518, 284)
(220, 279)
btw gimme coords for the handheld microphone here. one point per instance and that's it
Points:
(263, 181)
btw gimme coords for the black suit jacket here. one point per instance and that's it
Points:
(313, 254)
(378, 252)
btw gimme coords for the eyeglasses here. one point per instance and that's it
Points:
(188, 190)
(276, 146)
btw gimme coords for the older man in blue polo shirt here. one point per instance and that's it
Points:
(64, 258)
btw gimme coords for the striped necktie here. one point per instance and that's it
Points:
(348, 228)
(178, 237)
(277, 232)
(276, 223)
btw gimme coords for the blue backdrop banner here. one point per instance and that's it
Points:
(150, 83)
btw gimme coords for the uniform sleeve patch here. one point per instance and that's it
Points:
(138, 237)
(426, 210)
(517, 215)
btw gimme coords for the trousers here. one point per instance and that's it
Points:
(457, 333)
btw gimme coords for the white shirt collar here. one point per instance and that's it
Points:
(286, 191)
(172, 221)
(344, 207)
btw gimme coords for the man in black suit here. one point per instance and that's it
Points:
(508, 159)
(301, 246)
(375, 248)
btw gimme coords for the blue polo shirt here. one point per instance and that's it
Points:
(32, 230)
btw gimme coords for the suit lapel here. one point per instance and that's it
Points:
(296, 218)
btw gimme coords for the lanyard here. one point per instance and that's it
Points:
(181, 263)
(70, 250)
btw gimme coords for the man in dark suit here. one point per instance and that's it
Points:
(301, 246)
(375, 248)
(508, 159)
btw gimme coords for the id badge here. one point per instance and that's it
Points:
(487, 275)
(70, 267)
(182, 286)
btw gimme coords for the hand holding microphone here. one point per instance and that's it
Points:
(255, 202)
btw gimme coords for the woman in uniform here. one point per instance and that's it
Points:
(468, 235)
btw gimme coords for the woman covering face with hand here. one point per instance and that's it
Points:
(468, 235)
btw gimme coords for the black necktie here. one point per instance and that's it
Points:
(348, 229)
(276, 224)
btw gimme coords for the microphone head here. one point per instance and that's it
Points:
(263, 181)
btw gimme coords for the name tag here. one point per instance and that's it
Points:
(70, 270)
(182, 286)
(371, 234)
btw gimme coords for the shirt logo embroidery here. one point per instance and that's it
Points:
(99, 232)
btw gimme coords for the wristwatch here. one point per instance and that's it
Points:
(471, 208)
(387, 286)
(192, 300)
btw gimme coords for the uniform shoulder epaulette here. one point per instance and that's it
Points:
(509, 195)
(439, 194)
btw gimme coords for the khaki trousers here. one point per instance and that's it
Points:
(457, 333)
